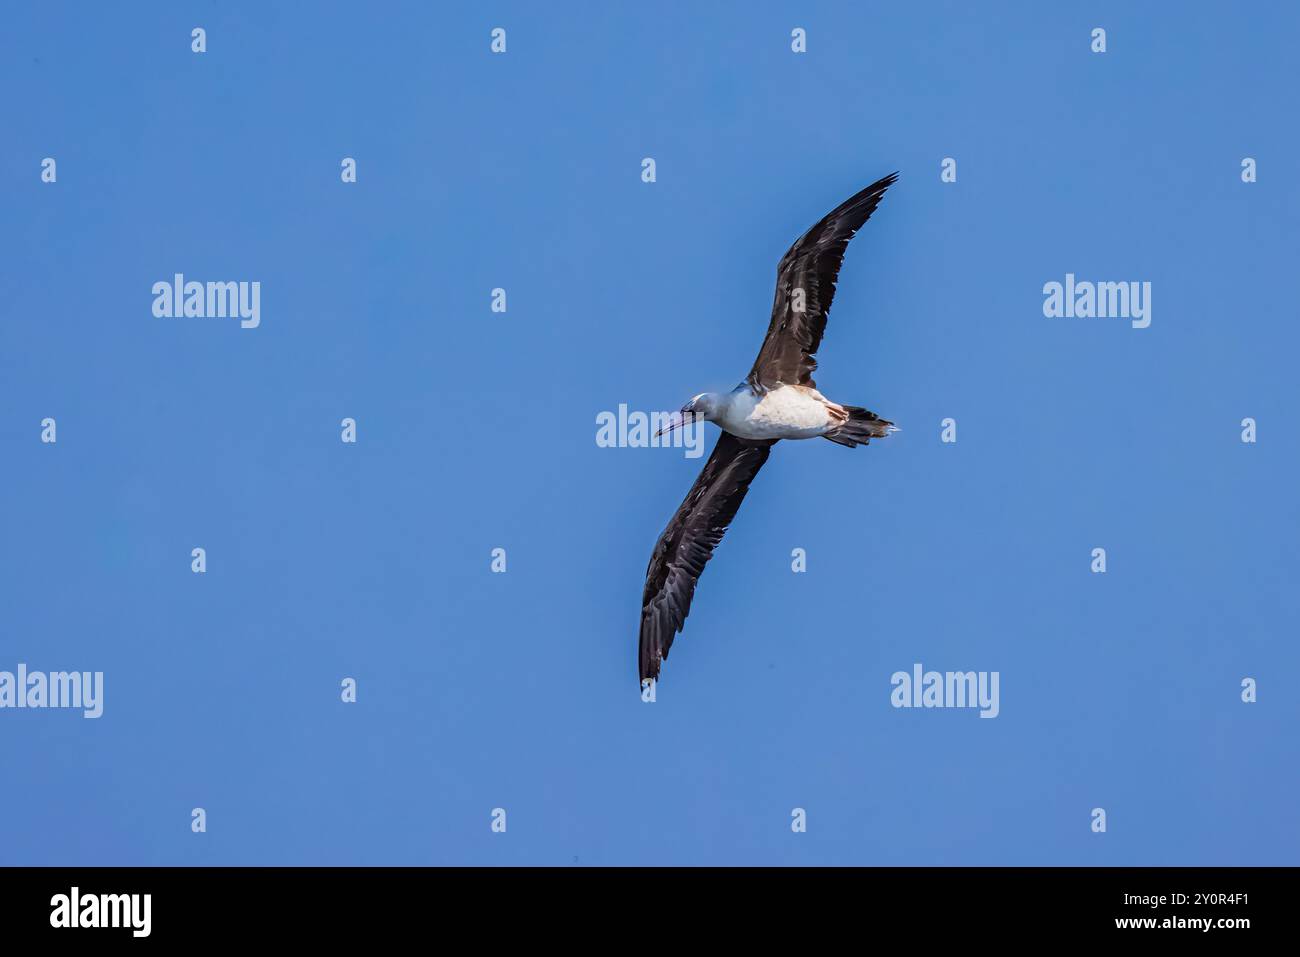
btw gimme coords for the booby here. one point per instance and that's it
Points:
(777, 400)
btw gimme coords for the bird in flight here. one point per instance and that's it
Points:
(778, 400)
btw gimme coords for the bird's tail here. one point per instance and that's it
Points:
(859, 428)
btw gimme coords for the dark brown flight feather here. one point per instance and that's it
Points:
(688, 542)
(811, 264)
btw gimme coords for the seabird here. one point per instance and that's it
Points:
(778, 400)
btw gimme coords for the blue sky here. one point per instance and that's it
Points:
(476, 430)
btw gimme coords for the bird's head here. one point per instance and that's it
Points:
(703, 408)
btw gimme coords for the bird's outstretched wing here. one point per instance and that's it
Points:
(810, 265)
(688, 542)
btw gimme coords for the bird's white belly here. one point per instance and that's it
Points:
(783, 413)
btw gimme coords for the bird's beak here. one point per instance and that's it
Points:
(676, 421)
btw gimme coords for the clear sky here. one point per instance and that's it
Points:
(476, 430)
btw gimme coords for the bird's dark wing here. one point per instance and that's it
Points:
(810, 265)
(688, 542)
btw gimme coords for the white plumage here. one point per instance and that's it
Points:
(786, 412)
